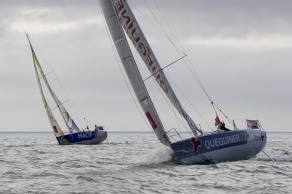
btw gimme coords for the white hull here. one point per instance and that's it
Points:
(220, 147)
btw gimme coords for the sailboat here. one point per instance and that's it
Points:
(76, 135)
(200, 147)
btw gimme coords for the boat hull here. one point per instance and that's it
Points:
(85, 138)
(219, 147)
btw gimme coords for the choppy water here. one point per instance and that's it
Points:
(133, 163)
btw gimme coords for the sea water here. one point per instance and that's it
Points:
(134, 163)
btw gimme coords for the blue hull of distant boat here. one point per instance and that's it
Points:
(85, 137)
(219, 147)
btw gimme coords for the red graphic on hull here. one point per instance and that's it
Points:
(150, 119)
(196, 143)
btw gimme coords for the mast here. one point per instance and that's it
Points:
(134, 32)
(67, 118)
(132, 70)
(54, 124)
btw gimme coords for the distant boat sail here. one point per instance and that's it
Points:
(76, 136)
(201, 148)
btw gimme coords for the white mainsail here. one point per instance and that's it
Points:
(134, 32)
(131, 69)
(67, 118)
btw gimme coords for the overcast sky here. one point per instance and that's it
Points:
(241, 50)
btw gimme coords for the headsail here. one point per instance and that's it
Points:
(131, 69)
(67, 118)
(134, 32)
(56, 128)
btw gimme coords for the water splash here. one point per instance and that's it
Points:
(156, 156)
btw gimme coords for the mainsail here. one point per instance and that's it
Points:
(67, 118)
(131, 69)
(134, 32)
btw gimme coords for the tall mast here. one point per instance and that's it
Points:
(67, 118)
(54, 124)
(134, 32)
(132, 70)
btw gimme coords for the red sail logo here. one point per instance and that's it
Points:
(150, 119)
(131, 28)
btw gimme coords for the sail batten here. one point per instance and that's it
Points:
(132, 70)
(135, 34)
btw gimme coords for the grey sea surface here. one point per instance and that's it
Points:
(134, 163)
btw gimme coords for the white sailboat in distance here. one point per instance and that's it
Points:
(200, 147)
(76, 135)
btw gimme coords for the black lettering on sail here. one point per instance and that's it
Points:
(163, 86)
(142, 49)
(128, 29)
(125, 17)
(137, 38)
(119, 5)
(149, 61)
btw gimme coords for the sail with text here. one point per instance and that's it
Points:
(132, 70)
(67, 118)
(219, 146)
(135, 34)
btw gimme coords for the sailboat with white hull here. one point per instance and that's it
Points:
(76, 136)
(200, 148)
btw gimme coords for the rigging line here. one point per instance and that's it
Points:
(195, 75)
(47, 74)
(191, 69)
(171, 107)
(60, 104)
(268, 156)
(165, 67)
(172, 32)
(223, 113)
(67, 93)
(157, 86)
(165, 33)
(40, 52)
(174, 35)
(146, 18)
(190, 102)
(88, 122)
(119, 65)
(168, 37)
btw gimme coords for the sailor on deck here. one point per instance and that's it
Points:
(222, 127)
